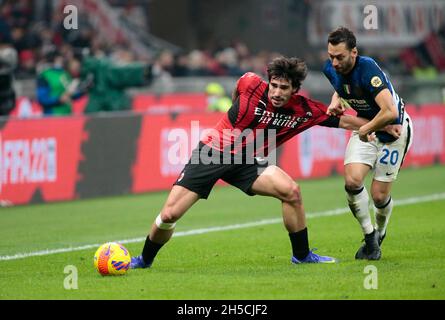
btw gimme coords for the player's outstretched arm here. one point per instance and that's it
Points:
(345, 122)
(351, 122)
(354, 123)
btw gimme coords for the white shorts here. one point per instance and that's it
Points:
(385, 158)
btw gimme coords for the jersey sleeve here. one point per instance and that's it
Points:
(317, 108)
(329, 72)
(331, 122)
(249, 79)
(323, 118)
(373, 79)
(327, 68)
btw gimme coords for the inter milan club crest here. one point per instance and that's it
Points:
(347, 88)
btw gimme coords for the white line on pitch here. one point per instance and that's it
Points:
(334, 212)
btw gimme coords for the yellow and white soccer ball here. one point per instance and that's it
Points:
(112, 259)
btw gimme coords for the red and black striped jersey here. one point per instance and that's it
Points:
(253, 120)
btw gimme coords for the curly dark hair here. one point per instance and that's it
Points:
(342, 34)
(292, 69)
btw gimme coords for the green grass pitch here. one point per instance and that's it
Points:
(247, 263)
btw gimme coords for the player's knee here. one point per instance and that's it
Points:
(353, 183)
(162, 222)
(169, 215)
(380, 198)
(294, 194)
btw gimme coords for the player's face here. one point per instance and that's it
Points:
(280, 91)
(342, 58)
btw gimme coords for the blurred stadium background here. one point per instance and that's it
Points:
(109, 143)
(119, 144)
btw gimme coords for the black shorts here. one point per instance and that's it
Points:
(200, 176)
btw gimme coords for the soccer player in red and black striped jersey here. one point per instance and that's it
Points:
(226, 153)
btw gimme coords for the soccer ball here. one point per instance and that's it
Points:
(112, 259)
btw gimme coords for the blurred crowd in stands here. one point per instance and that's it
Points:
(33, 40)
(45, 44)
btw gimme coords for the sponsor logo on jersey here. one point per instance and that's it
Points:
(280, 119)
(357, 104)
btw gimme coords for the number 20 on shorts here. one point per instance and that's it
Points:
(389, 156)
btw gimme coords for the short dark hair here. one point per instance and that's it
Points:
(342, 34)
(292, 69)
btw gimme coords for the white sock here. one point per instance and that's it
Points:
(382, 215)
(359, 205)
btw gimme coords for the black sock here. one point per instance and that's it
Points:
(300, 244)
(354, 192)
(150, 250)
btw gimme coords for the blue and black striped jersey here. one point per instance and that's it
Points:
(360, 87)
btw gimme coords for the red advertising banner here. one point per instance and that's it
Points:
(317, 152)
(39, 159)
(152, 103)
(429, 135)
(165, 146)
(171, 102)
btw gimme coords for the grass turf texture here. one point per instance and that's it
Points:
(251, 263)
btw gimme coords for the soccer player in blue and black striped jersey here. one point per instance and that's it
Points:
(361, 84)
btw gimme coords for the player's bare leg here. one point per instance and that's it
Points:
(276, 183)
(358, 201)
(178, 202)
(383, 205)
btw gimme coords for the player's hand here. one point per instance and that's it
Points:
(369, 137)
(365, 136)
(394, 129)
(335, 109)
